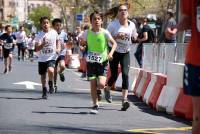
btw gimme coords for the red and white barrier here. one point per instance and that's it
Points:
(171, 91)
(138, 81)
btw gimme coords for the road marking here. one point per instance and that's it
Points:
(28, 84)
(154, 130)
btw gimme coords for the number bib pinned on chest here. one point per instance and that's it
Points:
(8, 45)
(94, 57)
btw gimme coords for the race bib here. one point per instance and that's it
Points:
(47, 51)
(94, 57)
(8, 45)
(122, 48)
(198, 18)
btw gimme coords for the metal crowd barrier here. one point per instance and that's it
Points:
(157, 56)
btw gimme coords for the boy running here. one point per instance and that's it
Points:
(97, 40)
(47, 43)
(60, 61)
(7, 39)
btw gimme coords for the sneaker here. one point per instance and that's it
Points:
(55, 88)
(99, 95)
(125, 106)
(44, 93)
(51, 89)
(5, 71)
(95, 109)
(83, 75)
(62, 77)
(108, 97)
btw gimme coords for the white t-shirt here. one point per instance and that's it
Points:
(21, 36)
(48, 52)
(62, 39)
(31, 44)
(123, 45)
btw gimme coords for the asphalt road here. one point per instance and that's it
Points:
(22, 111)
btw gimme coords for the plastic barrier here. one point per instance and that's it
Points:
(133, 75)
(169, 95)
(167, 99)
(74, 61)
(160, 82)
(138, 81)
(150, 87)
(144, 88)
(183, 106)
(141, 84)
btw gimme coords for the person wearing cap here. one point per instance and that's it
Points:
(170, 29)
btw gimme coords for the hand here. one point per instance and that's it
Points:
(121, 35)
(110, 57)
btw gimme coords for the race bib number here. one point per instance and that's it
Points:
(8, 45)
(122, 48)
(94, 57)
(198, 18)
(47, 51)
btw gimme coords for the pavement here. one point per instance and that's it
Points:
(22, 111)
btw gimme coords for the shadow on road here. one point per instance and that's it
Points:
(145, 108)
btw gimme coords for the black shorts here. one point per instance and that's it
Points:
(94, 70)
(61, 57)
(43, 66)
(191, 81)
(6, 52)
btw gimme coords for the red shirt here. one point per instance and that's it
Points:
(189, 8)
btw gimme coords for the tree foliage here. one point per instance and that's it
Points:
(37, 13)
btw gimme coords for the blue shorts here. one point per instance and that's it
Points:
(191, 81)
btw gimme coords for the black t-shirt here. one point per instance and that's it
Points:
(7, 38)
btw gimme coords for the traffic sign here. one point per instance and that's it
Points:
(79, 17)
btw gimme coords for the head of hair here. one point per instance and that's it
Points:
(7, 26)
(170, 12)
(56, 20)
(96, 13)
(44, 18)
(86, 27)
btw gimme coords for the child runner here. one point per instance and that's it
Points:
(62, 36)
(7, 39)
(97, 40)
(48, 45)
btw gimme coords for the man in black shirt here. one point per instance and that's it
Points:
(7, 39)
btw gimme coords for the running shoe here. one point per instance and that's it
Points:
(55, 88)
(51, 89)
(99, 95)
(107, 94)
(125, 106)
(62, 77)
(5, 71)
(44, 93)
(95, 109)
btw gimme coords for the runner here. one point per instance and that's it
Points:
(122, 30)
(7, 39)
(61, 59)
(21, 42)
(97, 40)
(191, 81)
(48, 44)
(31, 46)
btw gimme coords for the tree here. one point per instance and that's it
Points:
(37, 13)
